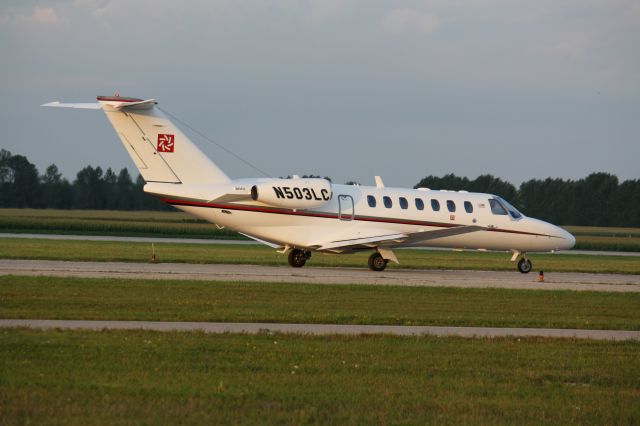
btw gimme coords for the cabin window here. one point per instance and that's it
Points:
(403, 203)
(451, 206)
(387, 202)
(468, 207)
(497, 208)
(371, 200)
(435, 205)
(419, 204)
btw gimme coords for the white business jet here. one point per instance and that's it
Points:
(299, 216)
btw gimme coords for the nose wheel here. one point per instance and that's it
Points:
(297, 257)
(524, 265)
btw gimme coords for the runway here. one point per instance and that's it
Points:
(321, 329)
(400, 277)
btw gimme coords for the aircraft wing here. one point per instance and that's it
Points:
(377, 239)
(362, 242)
(261, 241)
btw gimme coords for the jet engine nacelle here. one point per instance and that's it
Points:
(298, 193)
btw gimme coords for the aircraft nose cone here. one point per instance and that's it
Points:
(568, 240)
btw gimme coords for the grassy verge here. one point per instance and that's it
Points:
(117, 299)
(180, 224)
(604, 231)
(606, 238)
(608, 243)
(106, 222)
(74, 377)
(16, 248)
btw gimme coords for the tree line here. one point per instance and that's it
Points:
(21, 185)
(597, 200)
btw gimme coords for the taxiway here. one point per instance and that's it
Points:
(315, 275)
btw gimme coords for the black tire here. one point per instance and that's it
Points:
(525, 266)
(377, 263)
(297, 258)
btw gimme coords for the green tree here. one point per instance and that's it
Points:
(89, 189)
(109, 186)
(597, 194)
(124, 191)
(145, 201)
(627, 204)
(56, 191)
(19, 181)
(484, 183)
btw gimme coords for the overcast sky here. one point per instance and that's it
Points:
(347, 89)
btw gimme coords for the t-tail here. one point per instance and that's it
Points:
(160, 151)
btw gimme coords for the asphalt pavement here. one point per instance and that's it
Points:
(316, 275)
(321, 329)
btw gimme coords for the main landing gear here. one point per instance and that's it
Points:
(377, 262)
(297, 257)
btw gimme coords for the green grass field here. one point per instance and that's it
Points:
(16, 248)
(606, 238)
(79, 378)
(179, 224)
(165, 300)
(604, 231)
(84, 377)
(108, 222)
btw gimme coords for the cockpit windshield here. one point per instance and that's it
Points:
(513, 212)
(496, 207)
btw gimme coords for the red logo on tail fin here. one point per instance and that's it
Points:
(165, 143)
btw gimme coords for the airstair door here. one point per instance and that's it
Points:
(345, 203)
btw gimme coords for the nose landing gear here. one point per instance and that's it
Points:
(524, 265)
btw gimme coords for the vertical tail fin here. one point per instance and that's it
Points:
(160, 151)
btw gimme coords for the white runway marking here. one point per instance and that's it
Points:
(321, 329)
(406, 277)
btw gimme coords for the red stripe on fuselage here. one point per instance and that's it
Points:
(334, 216)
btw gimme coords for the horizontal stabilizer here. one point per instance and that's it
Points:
(112, 103)
(57, 104)
(146, 104)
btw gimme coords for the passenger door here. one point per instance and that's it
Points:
(345, 207)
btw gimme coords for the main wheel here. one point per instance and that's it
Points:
(297, 258)
(524, 266)
(377, 263)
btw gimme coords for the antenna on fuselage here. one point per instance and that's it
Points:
(379, 182)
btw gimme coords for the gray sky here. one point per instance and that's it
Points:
(348, 89)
